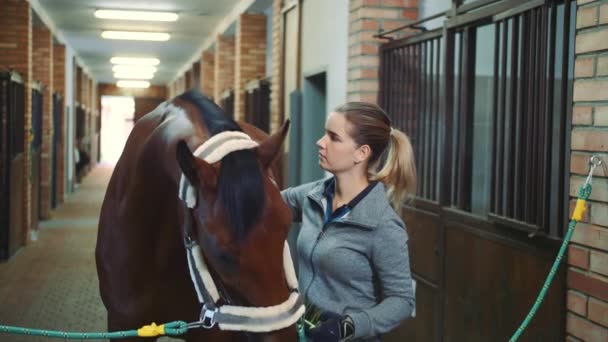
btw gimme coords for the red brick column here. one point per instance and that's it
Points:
(224, 66)
(93, 122)
(250, 57)
(366, 17)
(208, 73)
(587, 303)
(276, 87)
(16, 53)
(43, 72)
(59, 86)
(182, 84)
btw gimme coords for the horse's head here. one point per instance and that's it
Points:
(241, 223)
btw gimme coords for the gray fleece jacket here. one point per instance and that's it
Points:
(357, 265)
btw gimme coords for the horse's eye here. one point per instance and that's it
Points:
(221, 256)
(227, 258)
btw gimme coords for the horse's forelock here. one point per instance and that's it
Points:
(241, 191)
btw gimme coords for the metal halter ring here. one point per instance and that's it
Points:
(208, 317)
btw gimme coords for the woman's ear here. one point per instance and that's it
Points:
(362, 153)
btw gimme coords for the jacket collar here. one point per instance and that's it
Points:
(366, 214)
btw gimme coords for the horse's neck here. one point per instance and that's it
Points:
(153, 171)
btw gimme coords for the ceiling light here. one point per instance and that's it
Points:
(130, 35)
(132, 84)
(134, 61)
(136, 15)
(134, 68)
(134, 75)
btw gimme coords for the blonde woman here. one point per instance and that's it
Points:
(353, 246)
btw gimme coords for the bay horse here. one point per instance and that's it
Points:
(193, 228)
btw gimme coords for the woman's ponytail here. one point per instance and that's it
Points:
(399, 170)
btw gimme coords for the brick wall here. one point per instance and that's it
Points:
(179, 85)
(173, 89)
(16, 53)
(169, 89)
(276, 88)
(250, 57)
(43, 72)
(59, 86)
(366, 17)
(224, 66)
(208, 73)
(188, 79)
(587, 301)
(93, 123)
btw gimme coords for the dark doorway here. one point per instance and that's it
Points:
(314, 112)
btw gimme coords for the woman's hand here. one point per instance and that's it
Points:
(332, 327)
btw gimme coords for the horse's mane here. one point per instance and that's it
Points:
(240, 184)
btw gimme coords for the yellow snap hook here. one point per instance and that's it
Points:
(151, 330)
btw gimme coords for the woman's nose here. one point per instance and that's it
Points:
(320, 142)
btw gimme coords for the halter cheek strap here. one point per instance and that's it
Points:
(230, 317)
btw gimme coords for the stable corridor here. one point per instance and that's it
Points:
(52, 283)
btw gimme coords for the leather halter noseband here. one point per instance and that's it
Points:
(231, 317)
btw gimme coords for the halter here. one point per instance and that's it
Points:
(231, 317)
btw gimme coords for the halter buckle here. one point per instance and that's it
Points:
(207, 318)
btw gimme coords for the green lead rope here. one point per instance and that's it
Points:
(583, 195)
(173, 329)
(301, 332)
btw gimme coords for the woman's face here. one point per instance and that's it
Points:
(338, 152)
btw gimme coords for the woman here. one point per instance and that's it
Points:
(352, 248)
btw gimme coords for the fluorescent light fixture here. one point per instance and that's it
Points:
(136, 15)
(132, 84)
(134, 61)
(133, 75)
(132, 35)
(134, 68)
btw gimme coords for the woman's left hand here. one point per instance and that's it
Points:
(332, 327)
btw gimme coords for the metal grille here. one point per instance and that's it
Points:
(257, 104)
(531, 115)
(409, 90)
(57, 117)
(37, 99)
(432, 85)
(80, 122)
(227, 103)
(16, 112)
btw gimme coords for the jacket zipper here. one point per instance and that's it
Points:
(312, 252)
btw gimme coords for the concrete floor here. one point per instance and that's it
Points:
(52, 283)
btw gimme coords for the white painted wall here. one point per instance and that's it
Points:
(429, 8)
(69, 119)
(325, 45)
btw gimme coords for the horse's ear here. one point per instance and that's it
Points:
(195, 169)
(269, 148)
